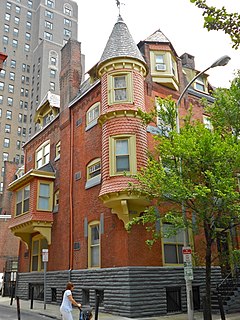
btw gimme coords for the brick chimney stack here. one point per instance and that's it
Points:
(71, 72)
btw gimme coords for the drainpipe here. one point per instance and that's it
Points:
(71, 196)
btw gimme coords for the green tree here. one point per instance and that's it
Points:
(220, 19)
(197, 169)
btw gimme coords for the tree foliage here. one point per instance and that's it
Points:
(196, 169)
(220, 19)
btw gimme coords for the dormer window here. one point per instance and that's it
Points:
(199, 84)
(160, 64)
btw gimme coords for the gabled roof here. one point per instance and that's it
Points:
(121, 44)
(157, 36)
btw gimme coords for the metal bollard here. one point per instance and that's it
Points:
(31, 296)
(97, 306)
(18, 308)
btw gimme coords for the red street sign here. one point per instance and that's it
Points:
(186, 250)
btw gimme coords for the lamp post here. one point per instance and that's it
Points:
(222, 61)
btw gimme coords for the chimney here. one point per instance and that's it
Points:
(188, 61)
(71, 72)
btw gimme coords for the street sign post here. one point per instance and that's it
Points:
(187, 262)
(45, 260)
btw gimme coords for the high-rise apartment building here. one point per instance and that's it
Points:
(32, 35)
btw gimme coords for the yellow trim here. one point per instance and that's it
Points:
(50, 198)
(39, 239)
(111, 88)
(121, 63)
(119, 114)
(131, 153)
(27, 177)
(125, 204)
(22, 201)
(24, 230)
(90, 225)
(166, 76)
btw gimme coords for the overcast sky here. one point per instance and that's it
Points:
(179, 20)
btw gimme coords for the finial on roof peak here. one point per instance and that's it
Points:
(119, 6)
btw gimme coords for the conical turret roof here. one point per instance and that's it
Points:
(121, 44)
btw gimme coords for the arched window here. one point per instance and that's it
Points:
(92, 115)
(53, 59)
(67, 9)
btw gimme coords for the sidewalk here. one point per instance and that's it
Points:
(52, 311)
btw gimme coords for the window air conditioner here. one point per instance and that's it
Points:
(160, 67)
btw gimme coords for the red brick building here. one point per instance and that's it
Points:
(72, 197)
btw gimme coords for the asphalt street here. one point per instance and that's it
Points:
(8, 313)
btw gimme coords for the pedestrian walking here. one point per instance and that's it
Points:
(67, 302)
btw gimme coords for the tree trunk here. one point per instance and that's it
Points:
(208, 258)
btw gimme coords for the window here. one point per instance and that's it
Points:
(5, 156)
(92, 115)
(172, 245)
(7, 128)
(38, 243)
(207, 123)
(45, 192)
(53, 73)
(19, 131)
(7, 16)
(12, 75)
(49, 14)
(30, 3)
(14, 43)
(56, 200)
(28, 36)
(9, 101)
(24, 132)
(1, 99)
(18, 144)
(1, 86)
(28, 25)
(48, 25)
(67, 22)
(6, 143)
(1, 187)
(8, 5)
(199, 84)
(48, 36)
(9, 115)
(20, 117)
(15, 32)
(5, 39)
(26, 47)
(43, 155)
(52, 86)
(13, 64)
(123, 154)
(11, 88)
(120, 88)
(16, 20)
(50, 3)
(93, 173)
(18, 9)
(2, 73)
(0, 113)
(159, 62)
(3, 172)
(29, 15)
(6, 28)
(67, 9)
(93, 245)
(58, 149)
(67, 33)
(22, 200)
(53, 58)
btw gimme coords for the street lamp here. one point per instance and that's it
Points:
(220, 62)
